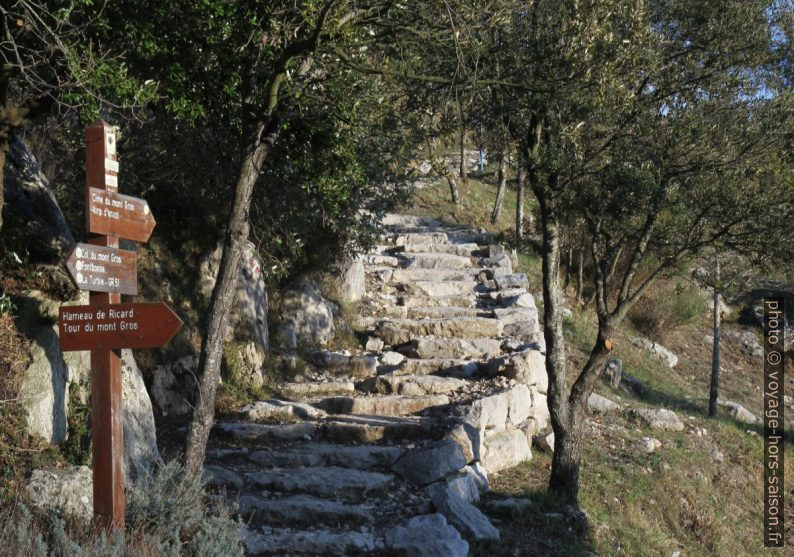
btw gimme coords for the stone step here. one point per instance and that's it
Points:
(310, 389)
(301, 509)
(469, 300)
(398, 276)
(517, 280)
(436, 261)
(377, 260)
(254, 432)
(353, 365)
(438, 366)
(443, 312)
(439, 288)
(389, 405)
(420, 238)
(467, 249)
(360, 457)
(400, 331)
(397, 220)
(374, 429)
(342, 484)
(286, 541)
(411, 385)
(431, 347)
(515, 314)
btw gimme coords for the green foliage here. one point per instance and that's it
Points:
(77, 447)
(667, 309)
(7, 306)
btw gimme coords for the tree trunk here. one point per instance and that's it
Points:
(257, 147)
(579, 275)
(500, 190)
(568, 268)
(4, 147)
(462, 165)
(715, 357)
(453, 189)
(564, 478)
(520, 204)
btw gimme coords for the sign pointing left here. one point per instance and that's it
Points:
(112, 326)
(103, 269)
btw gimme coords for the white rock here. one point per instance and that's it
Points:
(648, 445)
(391, 358)
(67, 491)
(600, 404)
(426, 536)
(660, 418)
(505, 449)
(656, 349)
(739, 412)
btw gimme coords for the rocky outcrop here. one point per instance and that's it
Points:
(141, 455)
(33, 224)
(307, 317)
(248, 315)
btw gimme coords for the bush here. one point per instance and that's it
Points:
(668, 308)
(166, 515)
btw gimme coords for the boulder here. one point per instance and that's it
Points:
(450, 500)
(352, 285)
(263, 410)
(601, 405)
(391, 358)
(306, 316)
(739, 412)
(660, 418)
(33, 223)
(248, 315)
(141, 455)
(647, 445)
(174, 387)
(656, 349)
(429, 464)
(747, 341)
(44, 391)
(426, 536)
(527, 367)
(64, 491)
(505, 449)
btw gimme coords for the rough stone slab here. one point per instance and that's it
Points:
(434, 288)
(221, 477)
(259, 432)
(526, 366)
(505, 449)
(443, 312)
(438, 366)
(273, 541)
(402, 331)
(389, 405)
(363, 457)
(391, 358)
(431, 463)
(431, 347)
(739, 412)
(316, 389)
(464, 301)
(280, 409)
(426, 536)
(404, 276)
(300, 509)
(518, 280)
(345, 484)
(420, 238)
(464, 516)
(520, 299)
(400, 221)
(354, 365)
(436, 261)
(660, 418)
(371, 429)
(502, 260)
(516, 314)
(466, 249)
(66, 491)
(415, 385)
(524, 330)
(381, 261)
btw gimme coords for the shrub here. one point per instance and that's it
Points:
(166, 515)
(668, 308)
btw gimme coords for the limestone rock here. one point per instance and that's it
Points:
(656, 349)
(301, 509)
(391, 358)
(141, 454)
(65, 491)
(599, 404)
(739, 412)
(45, 383)
(284, 541)
(280, 409)
(431, 463)
(505, 449)
(323, 481)
(33, 223)
(746, 340)
(426, 536)
(464, 516)
(452, 348)
(220, 477)
(374, 344)
(353, 284)
(307, 314)
(317, 389)
(387, 405)
(416, 385)
(527, 367)
(647, 445)
(660, 418)
(174, 387)
(396, 332)
(355, 365)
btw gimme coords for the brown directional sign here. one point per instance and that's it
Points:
(111, 326)
(103, 269)
(114, 214)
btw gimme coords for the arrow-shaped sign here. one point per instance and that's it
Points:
(103, 269)
(106, 326)
(113, 214)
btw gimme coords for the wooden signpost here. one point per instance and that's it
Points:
(105, 326)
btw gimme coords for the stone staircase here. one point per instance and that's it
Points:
(386, 451)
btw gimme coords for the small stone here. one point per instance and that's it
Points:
(374, 344)
(391, 358)
(648, 445)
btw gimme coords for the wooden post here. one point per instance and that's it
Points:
(107, 420)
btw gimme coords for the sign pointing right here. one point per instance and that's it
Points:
(111, 326)
(113, 214)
